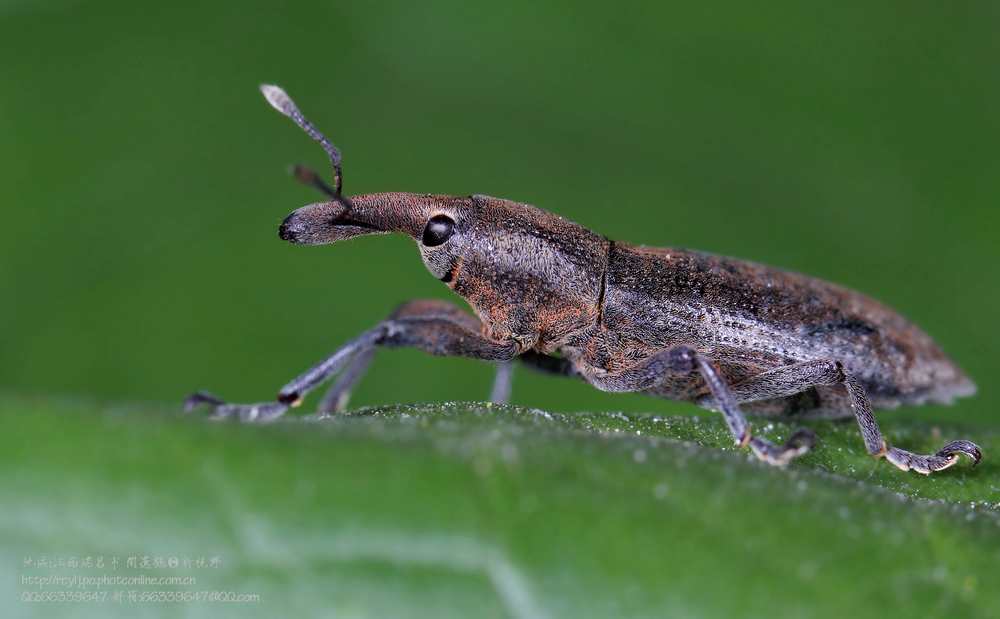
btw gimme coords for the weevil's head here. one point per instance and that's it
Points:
(439, 224)
(527, 273)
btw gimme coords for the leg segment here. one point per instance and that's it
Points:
(544, 364)
(797, 378)
(335, 400)
(502, 383)
(435, 327)
(683, 359)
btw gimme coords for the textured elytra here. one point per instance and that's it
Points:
(749, 317)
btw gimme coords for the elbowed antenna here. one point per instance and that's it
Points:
(307, 176)
(284, 104)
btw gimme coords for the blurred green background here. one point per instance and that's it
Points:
(142, 181)
(142, 175)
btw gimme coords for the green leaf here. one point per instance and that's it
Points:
(462, 510)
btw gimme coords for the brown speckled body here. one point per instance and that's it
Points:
(553, 286)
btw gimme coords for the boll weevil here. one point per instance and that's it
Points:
(721, 333)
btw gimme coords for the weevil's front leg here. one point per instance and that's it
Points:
(435, 327)
(683, 359)
(792, 379)
(292, 393)
(336, 399)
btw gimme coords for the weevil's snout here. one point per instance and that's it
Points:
(288, 229)
(377, 213)
(316, 224)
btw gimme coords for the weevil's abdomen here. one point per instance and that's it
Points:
(750, 318)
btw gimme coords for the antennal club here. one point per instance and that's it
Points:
(284, 104)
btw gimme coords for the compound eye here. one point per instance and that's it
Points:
(438, 230)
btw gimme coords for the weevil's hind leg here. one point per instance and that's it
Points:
(683, 359)
(435, 327)
(336, 399)
(944, 458)
(904, 460)
(797, 378)
(502, 383)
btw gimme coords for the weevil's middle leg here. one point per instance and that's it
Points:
(799, 377)
(502, 383)
(683, 359)
(544, 364)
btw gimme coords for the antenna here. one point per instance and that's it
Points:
(307, 176)
(284, 104)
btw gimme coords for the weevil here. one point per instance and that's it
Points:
(724, 334)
